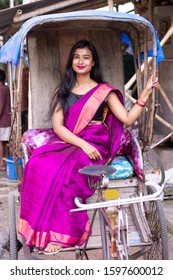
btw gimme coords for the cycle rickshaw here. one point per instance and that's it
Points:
(130, 210)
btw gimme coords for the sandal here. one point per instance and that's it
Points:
(52, 249)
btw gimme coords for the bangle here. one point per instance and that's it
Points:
(140, 99)
(139, 104)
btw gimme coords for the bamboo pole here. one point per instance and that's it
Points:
(168, 125)
(143, 116)
(156, 116)
(163, 41)
(167, 35)
(10, 84)
(150, 11)
(19, 93)
(151, 114)
(111, 5)
(165, 98)
(145, 57)
(162, 140)
(29, 104)
(133, 79)
(46, 10)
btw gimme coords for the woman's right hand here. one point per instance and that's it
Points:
(67, 136)
(91, 151)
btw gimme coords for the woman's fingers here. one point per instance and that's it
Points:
(95, 156)
(92, 152)
(155, 83)
(151, 84)
(98, 156)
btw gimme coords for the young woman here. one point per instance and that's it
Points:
(87, 117)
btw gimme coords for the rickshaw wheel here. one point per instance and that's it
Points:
(13, 250)
(157, 223)
(153, 164)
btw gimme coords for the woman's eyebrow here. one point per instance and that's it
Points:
(76, 54)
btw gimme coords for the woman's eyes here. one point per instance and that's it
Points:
(78, 57)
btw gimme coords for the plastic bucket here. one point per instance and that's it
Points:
(11, 169)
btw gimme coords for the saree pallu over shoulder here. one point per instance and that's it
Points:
(86, 107)
(91, 106)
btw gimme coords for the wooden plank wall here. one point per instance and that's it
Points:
(48, 52)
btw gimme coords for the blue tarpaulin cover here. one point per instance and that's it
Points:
(160, 56)
(11, 51)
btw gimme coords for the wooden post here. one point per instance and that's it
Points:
(18, 113)
(111, 5)
(10, 84)
(150, 11)
(143, 116)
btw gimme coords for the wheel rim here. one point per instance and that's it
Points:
(153, 164)
(154, 225)
(12, 229)
(157, 224)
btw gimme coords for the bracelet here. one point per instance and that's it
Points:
(139, 104)
(140, 99)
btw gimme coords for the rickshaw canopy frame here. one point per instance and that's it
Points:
(12, 49)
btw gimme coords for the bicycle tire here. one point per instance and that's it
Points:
(153, 164)
(13, 250)
(157, 223)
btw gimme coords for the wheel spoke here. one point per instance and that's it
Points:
(156, 222)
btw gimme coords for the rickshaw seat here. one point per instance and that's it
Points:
(128, 160)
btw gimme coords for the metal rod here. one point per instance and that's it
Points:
(123, 201)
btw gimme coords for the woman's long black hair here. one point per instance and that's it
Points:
(63, 91)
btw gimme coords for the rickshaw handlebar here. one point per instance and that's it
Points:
(118, 202)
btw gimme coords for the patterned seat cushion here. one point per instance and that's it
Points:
(34, 138)
(129, 148)
(123, 167)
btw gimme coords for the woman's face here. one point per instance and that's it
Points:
(82, 62)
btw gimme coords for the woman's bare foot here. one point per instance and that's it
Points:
(52, 249)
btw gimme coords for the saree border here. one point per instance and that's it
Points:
(91, 105)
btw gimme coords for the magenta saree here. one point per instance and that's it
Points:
(51, 179)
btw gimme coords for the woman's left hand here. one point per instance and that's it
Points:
(151, 84)
(148, 89)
